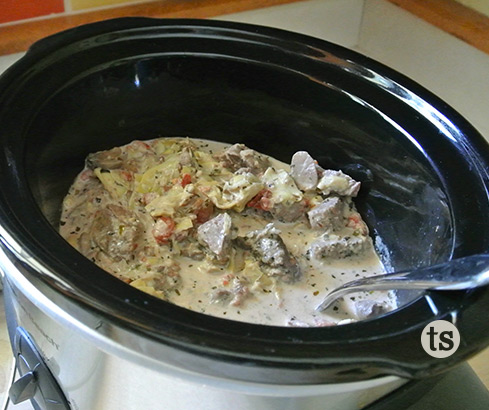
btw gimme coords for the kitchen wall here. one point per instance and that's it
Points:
(12, 10)
(15, 10)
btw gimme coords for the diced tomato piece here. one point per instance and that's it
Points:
(255, 200)
(163, 229)
(226, 279)
(126, 175)
(261, 200)
(353, 220)
(186, 179)
(205, 213)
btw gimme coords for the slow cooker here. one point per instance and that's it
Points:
(85, 340)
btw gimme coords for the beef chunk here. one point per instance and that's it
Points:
(234, 295)
(110, 159)
(327, 215)
(216, 235)
(333, 246)
(366, 309)
(116, 231)
(309, 176)
(162, 283)
(305, 171)
(288, 212)
(272, 254)
(166, 281)
(239, 156)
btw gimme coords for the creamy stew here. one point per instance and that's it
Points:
(225, 230)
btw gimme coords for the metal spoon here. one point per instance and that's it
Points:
(457, 274)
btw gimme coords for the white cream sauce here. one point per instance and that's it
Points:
(270, 302)
(288, 304)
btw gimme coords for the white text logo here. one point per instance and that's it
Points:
(440, 339)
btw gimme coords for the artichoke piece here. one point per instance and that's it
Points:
(168, 203)
(114, 181)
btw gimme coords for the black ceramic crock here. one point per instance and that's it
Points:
(422, 166)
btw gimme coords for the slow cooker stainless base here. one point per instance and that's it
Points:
(95, 372)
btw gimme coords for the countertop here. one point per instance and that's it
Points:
(449, 15)
(451, 67)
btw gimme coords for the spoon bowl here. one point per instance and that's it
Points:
(457, 274)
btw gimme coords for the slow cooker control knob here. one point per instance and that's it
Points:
(36, 382)
(24, 388)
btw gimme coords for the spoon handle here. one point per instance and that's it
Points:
(463, 273)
